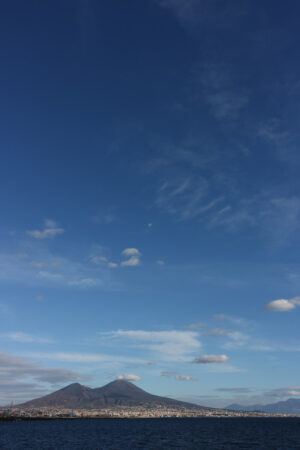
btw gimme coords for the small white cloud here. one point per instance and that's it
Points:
(98, 259)
(49, 223)
(131, 262)
(220, 316)
(131, 252)
(294, 393)
(129, 377)
(185, 378)
(149, 225)
(41, 264)
(283, 305)
(47, 233)
(167, 373)
(160, 262)
(219, 332)
(50, 231)
(194, 326)
(112, 265)
(104, 218)
(209, 359)
(86, 282)
(50, 276)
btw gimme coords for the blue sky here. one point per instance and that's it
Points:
(150, 198)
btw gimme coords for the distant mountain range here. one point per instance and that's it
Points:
(290, 406)
(116, 393)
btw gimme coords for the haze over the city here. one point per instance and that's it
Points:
(150, 198)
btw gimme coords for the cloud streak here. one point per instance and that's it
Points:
(211, 359)
(13, 370)
(49, 232)
(170, 345)
(19, 336)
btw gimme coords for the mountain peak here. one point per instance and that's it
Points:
(114, 394)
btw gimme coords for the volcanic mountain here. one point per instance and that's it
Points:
(114, 394)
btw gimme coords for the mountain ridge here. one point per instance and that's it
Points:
(289, 406)
(113, 394)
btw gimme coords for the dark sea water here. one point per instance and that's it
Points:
(202, 433)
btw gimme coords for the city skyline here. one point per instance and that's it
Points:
(150, 198)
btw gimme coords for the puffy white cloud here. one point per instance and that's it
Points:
(283, 304)
(134, 259)
(131, 252)
(131, 262)
(129, 377)
(209, 359)
(112, 265)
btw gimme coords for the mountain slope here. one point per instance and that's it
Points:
(116, 393)
(290, 406)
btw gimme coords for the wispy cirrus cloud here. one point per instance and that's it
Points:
(216, 84)
(195, 326)
(239, 390)
(170, 345)
(191, 13)
(85, 358)
(49, 232)
(192, 185)
(177, 376)
(19, 336)
(65, 272)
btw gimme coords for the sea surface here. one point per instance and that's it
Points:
(196, 433)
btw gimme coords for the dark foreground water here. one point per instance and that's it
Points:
(227, 433)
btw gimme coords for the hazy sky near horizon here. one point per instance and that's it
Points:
(150, 197)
